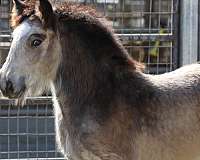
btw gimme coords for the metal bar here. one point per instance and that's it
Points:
(176, 33)
(29, 101)
(147, 37)
(149, 43)
(4, 35)
(189, 30)
(198, 31)
(38, 159)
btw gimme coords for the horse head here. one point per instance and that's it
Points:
(33, 56)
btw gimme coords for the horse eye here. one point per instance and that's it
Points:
(36, 43)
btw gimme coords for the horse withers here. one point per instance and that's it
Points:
(105, 107)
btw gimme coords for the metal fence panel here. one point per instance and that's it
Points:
(27, 132)
(147, 28)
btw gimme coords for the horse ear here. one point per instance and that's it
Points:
(45, 12)
(18, 7)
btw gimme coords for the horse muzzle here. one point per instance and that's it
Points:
(12, 88)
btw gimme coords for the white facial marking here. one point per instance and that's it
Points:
(30, 63)
(18, 33)
(21, 31)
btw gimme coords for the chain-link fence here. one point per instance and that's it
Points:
(149, 31)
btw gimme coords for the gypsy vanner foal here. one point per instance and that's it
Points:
(105, 107)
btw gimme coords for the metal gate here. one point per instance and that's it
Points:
(149, 31)
(147, 28)
(27, 132)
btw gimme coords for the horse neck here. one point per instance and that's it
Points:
(91, 85)
(80, 79)
(89, 69)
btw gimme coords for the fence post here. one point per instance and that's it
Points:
(199, 31)
(188, 32)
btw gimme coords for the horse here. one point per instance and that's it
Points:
(105, 107)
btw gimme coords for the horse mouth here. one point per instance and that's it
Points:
(15, 95)
(18, 96)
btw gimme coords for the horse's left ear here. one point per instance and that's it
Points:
(45, 12)
(18, 7)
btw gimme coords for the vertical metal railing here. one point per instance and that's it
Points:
(198, 31)
(189, 32)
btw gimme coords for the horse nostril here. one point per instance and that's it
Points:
(9, 86)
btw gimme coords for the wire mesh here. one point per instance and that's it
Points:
(27, 132)
(148, 30)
